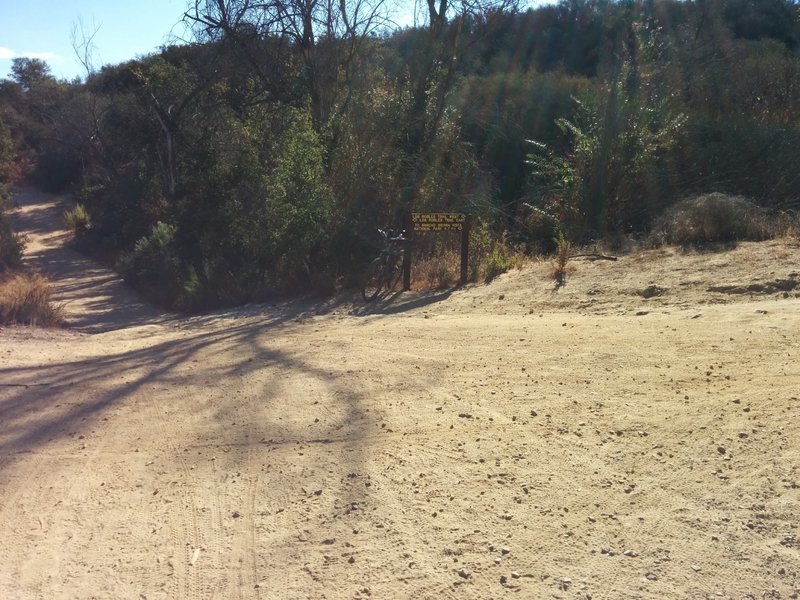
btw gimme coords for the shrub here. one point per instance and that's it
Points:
(538, 230)
(562, 256)
(497, 263)
(716, 217)
(502, 257)
(27, 300)
(11, 246)
(438, 272)
(153, 265)
(78, 221)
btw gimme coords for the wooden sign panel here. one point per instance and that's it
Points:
(438, 221)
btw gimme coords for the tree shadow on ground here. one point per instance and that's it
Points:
(400, 302)
(43, 404)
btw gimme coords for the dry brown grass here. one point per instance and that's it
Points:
(26, 299)
(437, 272)
(562, 257)
(720, 218)
(443, 270)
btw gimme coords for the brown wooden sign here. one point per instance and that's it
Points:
(438, 221)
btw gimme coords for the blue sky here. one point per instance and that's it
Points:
(124, 29)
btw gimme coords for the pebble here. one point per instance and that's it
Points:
(651, 576)
(696, 568)
(514, 575)
(464, 573)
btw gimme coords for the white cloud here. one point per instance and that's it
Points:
(8, 54)
(49, 56)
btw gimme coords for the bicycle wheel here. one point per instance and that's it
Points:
(394, 270)
(373, 282)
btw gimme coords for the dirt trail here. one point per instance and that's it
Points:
(95, 298)
(510, 440)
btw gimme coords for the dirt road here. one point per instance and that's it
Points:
(633, 434)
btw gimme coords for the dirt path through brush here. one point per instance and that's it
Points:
(512, 440)
(95, 298)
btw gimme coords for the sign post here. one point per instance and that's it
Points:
(465, 249)
(408, 225)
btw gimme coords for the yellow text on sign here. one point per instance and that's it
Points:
(438, 221)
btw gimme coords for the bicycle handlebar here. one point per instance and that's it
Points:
(386, 233)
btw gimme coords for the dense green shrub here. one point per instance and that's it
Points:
(11, 246)
(154, 266)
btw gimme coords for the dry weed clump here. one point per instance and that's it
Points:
(714, 218)
(486, 261)
(26, 299)
(437, 272)
(563, 248)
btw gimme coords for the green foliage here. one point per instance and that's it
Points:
(498, 262)
(258, 209)
(300, 208)
(6, 162)
(7, 153)
(501, 111)
(11, 245)
(490, 255)
(29, 72)
(153, 265)
(619, 165)
(78, 221)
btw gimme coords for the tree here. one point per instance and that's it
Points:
(28, 72)
(431, 78)
(325, 34)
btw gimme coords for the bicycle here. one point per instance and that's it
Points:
(386, 269)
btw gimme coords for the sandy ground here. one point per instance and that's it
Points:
(632, 434)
